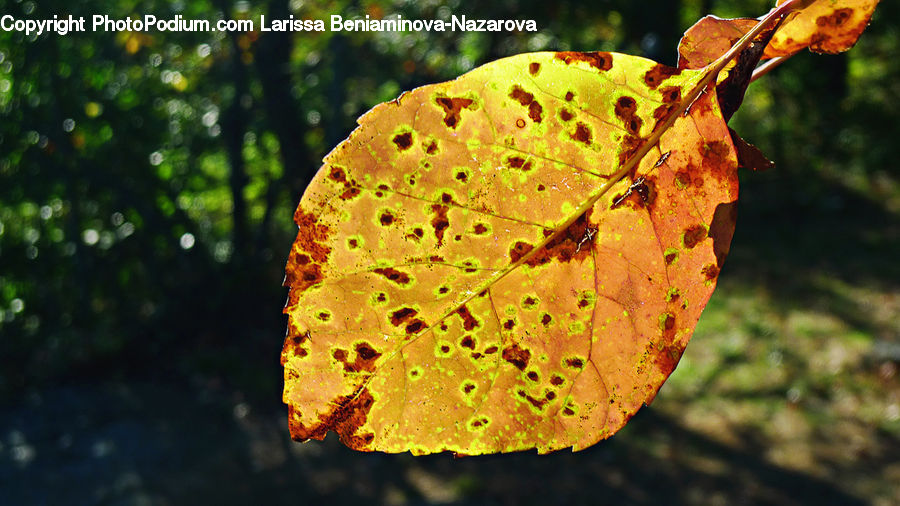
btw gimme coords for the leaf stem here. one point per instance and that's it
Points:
(767, 67)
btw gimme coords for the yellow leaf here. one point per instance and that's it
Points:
(514, 259)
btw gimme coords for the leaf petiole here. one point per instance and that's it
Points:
(767, 67)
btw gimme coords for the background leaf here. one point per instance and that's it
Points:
(824, 26)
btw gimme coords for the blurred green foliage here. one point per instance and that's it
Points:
(147, 180)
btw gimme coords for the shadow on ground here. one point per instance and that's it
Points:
(156, 444)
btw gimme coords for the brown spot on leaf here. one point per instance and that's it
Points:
(418, 232)
(625, 110)
(469, 322)
(386, 218)
(527, 99)
(550, 395)
(403, 141)
(440, 222)
(401, 315)
(539, 404)
(573, 243)
(671, 257)
(519, 249)
(480, 228)
(520, 123)
(509, 324)
(462, 176)
(541, 187)
(490, 350)
(600, 60)
(452, 109)
(683, 179)
(569, 96)
(565, 115)
(534, 112)
(716, 159)
(582, 133)
(557, 380)
(301, 276)
(293, 347)
(533, 375)
(693, 235)
(515, 162)
(401, 278)
(350, 192)
(667, 358)
(467, 342)
(659, 73)
(467, 388)
(835, 19)
(710, 271)
(443, 290)
(575, 363)
(668, 322)
(534, 67)
(568, 411)
(365, 358)
(517, 356)
(670, 94)
(365, 352)
(521, 96)
(431, 148)
(415, 326)
(337, 174)
(546, 319)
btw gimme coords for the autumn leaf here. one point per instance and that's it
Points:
(823, 26)
(709, 38)
(473, 273)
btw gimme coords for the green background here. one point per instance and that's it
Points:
(147, 184)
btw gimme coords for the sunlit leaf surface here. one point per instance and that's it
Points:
(825, 26)
(468, 276)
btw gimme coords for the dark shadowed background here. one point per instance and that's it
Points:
(147, 184)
